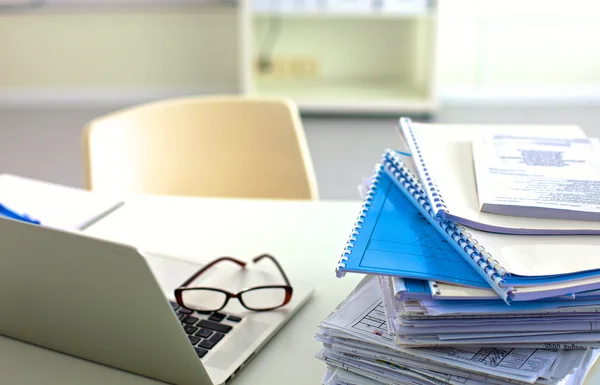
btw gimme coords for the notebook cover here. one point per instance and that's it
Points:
(391, 237)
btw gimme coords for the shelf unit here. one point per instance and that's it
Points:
(363, 61)
(367, 62)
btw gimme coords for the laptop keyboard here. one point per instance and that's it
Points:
(204, 331)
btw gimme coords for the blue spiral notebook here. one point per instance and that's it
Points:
(391, 237)
(517, 267)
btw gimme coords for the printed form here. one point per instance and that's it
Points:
(530, 360)
(538, 177)
(362, 318)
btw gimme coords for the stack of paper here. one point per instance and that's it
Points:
(453, 295)
(538, 324)
(358, 350)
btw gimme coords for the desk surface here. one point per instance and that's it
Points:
(307, 237)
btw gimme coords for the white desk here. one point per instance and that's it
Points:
(307, 237)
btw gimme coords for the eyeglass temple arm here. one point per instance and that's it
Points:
(211, 264)
(285, 278)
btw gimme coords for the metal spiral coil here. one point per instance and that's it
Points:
(430, 184)
(458, 233)
(360, 219)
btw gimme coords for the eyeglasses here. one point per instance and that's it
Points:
(258, 298)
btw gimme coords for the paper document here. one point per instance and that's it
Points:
(358, 327)
(345, 376)
(538, 177)
(57, 206)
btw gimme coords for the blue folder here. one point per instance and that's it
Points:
(391, 237)
(412, 289)
(8, 213)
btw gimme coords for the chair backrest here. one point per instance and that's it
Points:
(202, 146)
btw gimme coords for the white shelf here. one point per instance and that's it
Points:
(348, 96)
(327, 14)
(350, 51)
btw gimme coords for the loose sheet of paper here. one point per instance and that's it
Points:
(536, 172)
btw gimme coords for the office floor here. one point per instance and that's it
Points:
(45, 143)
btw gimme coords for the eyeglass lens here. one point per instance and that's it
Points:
(263, 298)
(254, 299)
(203, 300)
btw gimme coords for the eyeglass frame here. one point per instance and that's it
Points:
(184, 286)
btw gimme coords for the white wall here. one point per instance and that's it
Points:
(125, 54)
(488, 50)
(519, 49)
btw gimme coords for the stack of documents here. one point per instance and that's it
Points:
(358, 349)
(457, 295)
(560, 323)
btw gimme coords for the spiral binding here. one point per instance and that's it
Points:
(359, 221)
(459, 234)
(434, 191)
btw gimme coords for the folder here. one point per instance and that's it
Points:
(391, 237)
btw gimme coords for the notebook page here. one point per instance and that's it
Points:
(449, 291)
(542, 255)
(447, 151)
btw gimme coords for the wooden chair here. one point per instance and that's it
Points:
(201, 146)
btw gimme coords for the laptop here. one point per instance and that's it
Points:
(107, 303)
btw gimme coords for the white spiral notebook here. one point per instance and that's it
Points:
(444, 162)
